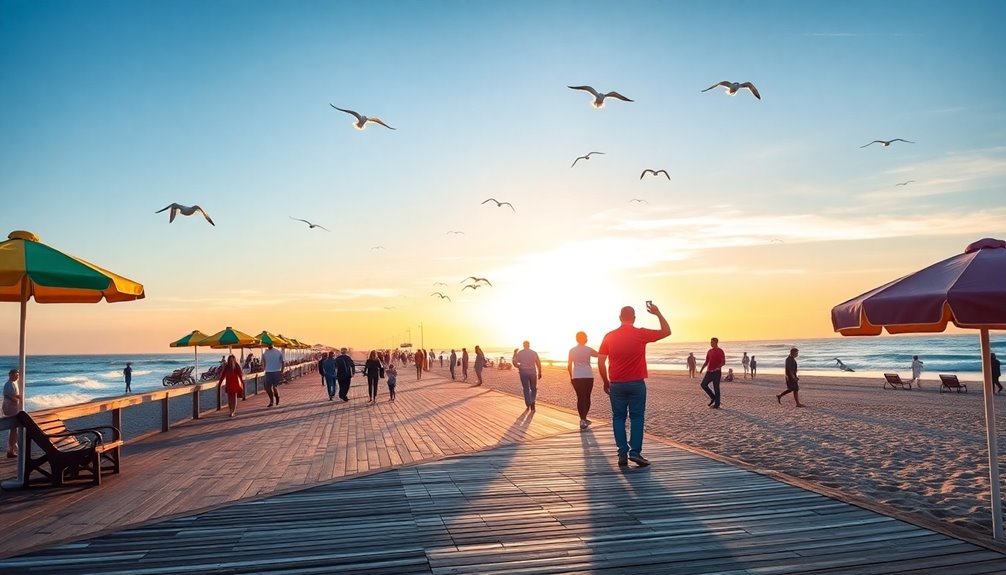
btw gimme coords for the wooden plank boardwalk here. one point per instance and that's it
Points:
(530, 496)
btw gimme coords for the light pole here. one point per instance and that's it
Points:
(422, 340)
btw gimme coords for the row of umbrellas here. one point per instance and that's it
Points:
(231, 338)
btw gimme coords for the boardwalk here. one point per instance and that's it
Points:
(532, 495)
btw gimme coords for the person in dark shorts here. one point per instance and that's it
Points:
(792, 381)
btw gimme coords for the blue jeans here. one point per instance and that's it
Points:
(529, 383)
(330, 384)
(712, 377)
(628, 396)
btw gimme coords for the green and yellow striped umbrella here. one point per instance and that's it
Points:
(228, 337)
(192, 340)
(267, 338)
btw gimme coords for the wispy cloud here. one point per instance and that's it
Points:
(955, 173)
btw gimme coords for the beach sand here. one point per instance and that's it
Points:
(917, 452)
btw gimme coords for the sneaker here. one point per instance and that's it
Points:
(639, 460)
(345, 398)
(583, 425)
(623, 461)
(270, 404)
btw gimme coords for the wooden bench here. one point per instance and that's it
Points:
(950, 383)
(67, 453)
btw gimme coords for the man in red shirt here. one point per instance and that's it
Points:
(715, 360)
(625, 349)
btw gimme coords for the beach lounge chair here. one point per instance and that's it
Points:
(894, 380)
(950, 383)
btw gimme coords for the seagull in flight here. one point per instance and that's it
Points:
(361, 120)
(887, 143)
(440, 284)
(656, 172)
(441, 296)
(599, 97)
(455, 233)
(185, 211)
(776, 241)
(637, 201)
(587, 157)
(500, 204)
(473, 286)
(905, 183)
(310, 225)
(733, 87)
(477, 281)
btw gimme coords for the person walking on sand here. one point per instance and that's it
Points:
(454, 363)
(233, 379)
(273, 360)
(12, 405)
(373, 370)
(345, 369)
(529, 369)
(625, 379)
(464, 364)
(581, 376)
(996, 373)
(392, 372)
(746, 364)
(916, 371)
(792, 381)
(128, 374)
(420, 359)
(480, 363)
(328, 371)
(715, 360)
(754, 367)
(691, 363)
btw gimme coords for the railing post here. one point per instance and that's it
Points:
(195, 404)
(164, 413)
(117, 419)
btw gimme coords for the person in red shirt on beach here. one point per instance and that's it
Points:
(625, 350)
(715, 360)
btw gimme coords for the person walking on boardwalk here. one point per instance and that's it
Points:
(374, 370)
(420, 359)
(480, 363)
(273, 360)
(345, 369)
(321, 367)
(916, 371)
(792, 381)
(715, 360)
(232, 376)
(392, 372)
(454, 363)
(529, 368)
(996, 372)
(746, 364)
(12, 405)
(621, 362)
(692, 365)
(128, 375)
(464, 364)
(581, 376)
(328, 371)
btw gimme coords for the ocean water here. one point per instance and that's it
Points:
(59, 380)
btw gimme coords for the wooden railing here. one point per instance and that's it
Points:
(117, 405)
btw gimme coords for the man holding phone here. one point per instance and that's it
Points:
(624, 379)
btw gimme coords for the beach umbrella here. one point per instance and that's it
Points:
(228, 337)
(192, 340)
(269, 339)
(30, 269)
(967, 290)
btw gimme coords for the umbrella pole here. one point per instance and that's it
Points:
(990, 430)
(21, 437)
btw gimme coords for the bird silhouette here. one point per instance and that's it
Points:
(905, 183)
(185, 211)
(887, 143)
(500, 204)
(455, 233)
(776, 241)
(637, 201)
(441, 296)
(473, 286)
(587, 157)
(733, 87)
(440, 284)
(599, 97)
(361, 120)
(477, 280)
(310, 225)
(654, 172)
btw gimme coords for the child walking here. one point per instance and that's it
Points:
(392, 374)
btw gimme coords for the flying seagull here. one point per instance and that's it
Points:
(455, 233)
(887, 143)
(440, 284)
(441, 296)
(473, 286)
(905, 183)
(776, 241)
(500, 204)
(477, 280)
(654, 172)
(310, 225)
(733, 87)
(842, 366)
(598, 97)
(587, 157)
(361, 120)
(185, 211)
(637, 201)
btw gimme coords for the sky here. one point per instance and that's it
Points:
(773, 214)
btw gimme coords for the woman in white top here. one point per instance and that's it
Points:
(581, 375)
(11, 405)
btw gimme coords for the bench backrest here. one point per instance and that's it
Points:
(893, 378)
(43, 427)
(949, 380)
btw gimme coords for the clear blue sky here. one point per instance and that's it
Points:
(112, 110)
